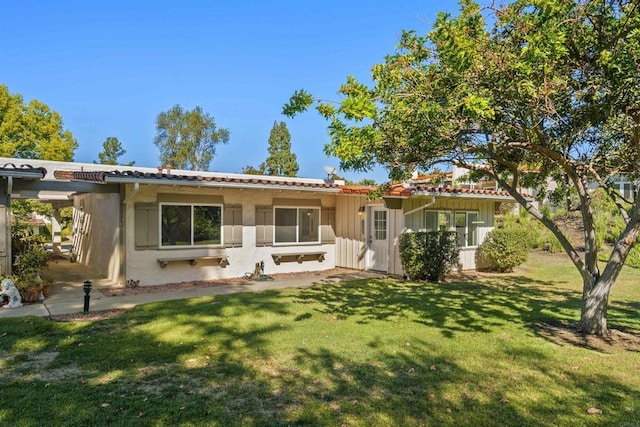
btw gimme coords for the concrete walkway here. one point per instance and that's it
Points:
(67, 295)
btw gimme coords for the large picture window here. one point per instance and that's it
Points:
(190, 225)
(296, 225)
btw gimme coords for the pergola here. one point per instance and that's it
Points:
(36, 181)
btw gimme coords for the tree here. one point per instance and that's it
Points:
(187, 139)
(549, 89)
(250, 170)
(367, 182)
(32, 131)
(111, 150)
(281, 161)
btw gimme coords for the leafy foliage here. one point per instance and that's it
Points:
(548, 91)
(33, 130)
(250, 170)
(428, 255)
(29, 255)
(633, 260)
(111, 151)
(187, 139)
(503, 249)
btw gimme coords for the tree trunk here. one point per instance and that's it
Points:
(595, 298)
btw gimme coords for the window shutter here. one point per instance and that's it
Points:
(146, 226)
(264, 226)
(233, 226)
(327, 225)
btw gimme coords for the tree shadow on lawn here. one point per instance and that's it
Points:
(170, 383)
(213, 360)
(479, 306)
(450, 307)
(418, 386)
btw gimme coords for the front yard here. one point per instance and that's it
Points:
(489, 350)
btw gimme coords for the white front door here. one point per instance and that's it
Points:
(378, 246)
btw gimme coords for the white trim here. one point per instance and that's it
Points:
(297, 242)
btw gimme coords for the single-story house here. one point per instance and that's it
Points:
(163, 226)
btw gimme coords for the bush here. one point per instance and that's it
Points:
(428, 255)
(633, 259)
(504, 249)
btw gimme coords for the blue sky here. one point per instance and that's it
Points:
(110, 67)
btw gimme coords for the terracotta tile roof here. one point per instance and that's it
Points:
(80, 176)
(250, 180)
(448, 190)
(356, 189)
(408, 191)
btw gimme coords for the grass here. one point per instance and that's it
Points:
(370, 352)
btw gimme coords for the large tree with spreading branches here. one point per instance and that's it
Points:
(527, 93)
(32, 130)
(187, 139)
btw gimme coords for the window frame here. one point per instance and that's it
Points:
(626, 190)
(438, 212)
(297, 241)
(466, 227)
(452, 223)
(192, 207)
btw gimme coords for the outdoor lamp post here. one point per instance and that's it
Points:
(87, 297)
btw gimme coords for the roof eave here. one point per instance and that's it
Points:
(216, 184)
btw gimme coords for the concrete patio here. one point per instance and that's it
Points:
(67, 295)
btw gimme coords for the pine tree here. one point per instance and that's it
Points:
(281, 161)
(111, 151)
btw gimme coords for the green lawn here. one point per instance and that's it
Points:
(371, 352)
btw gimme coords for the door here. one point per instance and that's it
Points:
(378, 246)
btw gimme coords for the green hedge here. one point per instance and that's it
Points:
(504, 249)
(428, 255)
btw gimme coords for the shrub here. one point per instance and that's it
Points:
(633, 259)
(504, 249)
(428, 255)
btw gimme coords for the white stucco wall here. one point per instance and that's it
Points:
(143, 265)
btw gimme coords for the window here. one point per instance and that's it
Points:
(465, 225)
(626, 189)
(380, 225)
(190, 225)
(297, 225)
(437, 220)
(467, 228)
